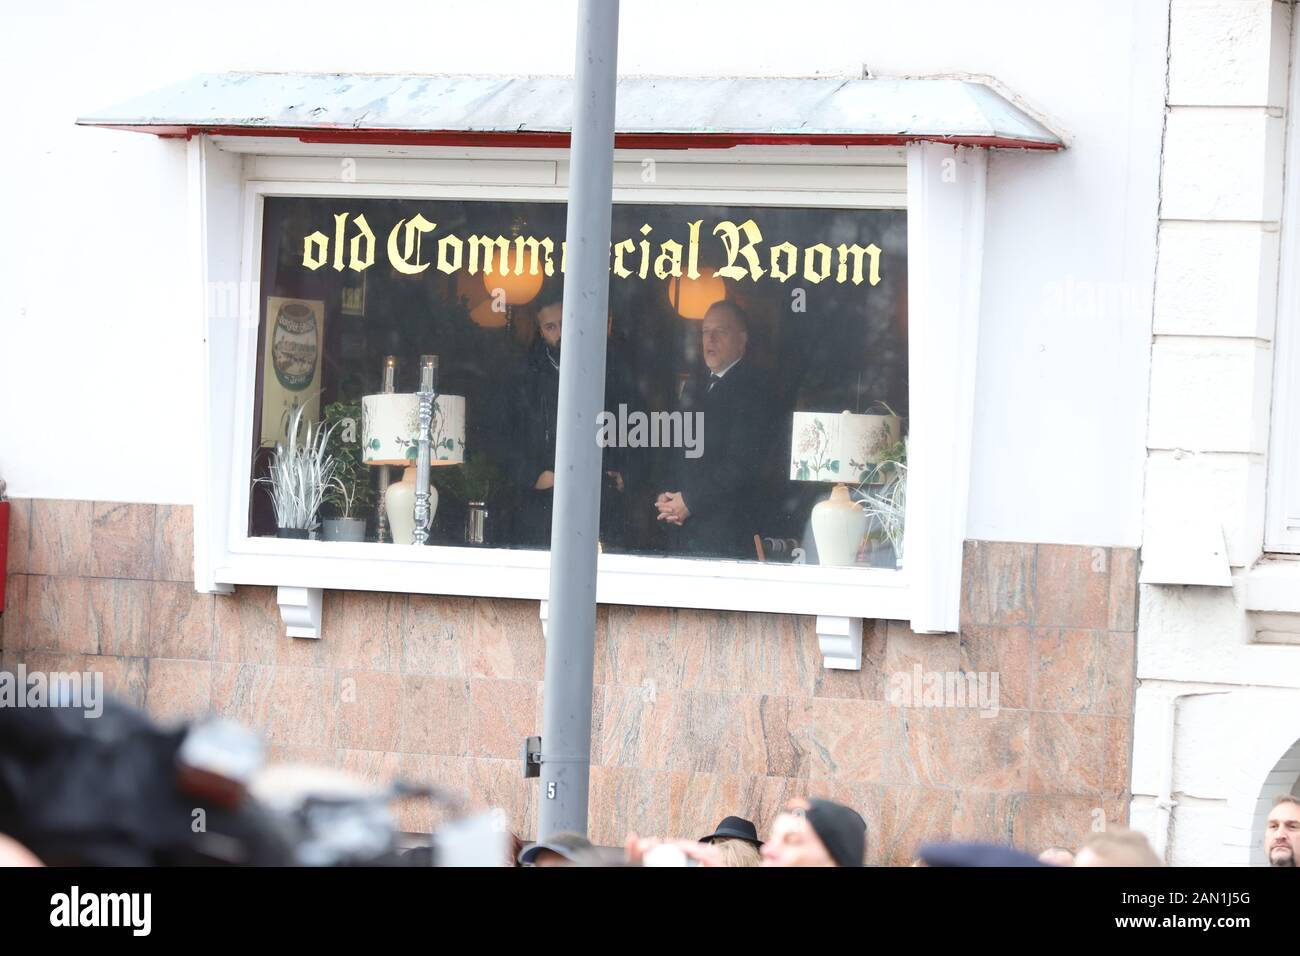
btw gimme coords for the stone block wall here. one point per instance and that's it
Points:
(697, 714)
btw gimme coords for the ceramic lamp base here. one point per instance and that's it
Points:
(400, 505)
(838, 526)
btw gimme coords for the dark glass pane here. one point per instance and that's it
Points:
(346, 282)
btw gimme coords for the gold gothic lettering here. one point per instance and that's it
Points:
(743, 253)
(730, 234)
(408, 261)
(484, 246)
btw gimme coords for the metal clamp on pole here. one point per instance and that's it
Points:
(532, 757)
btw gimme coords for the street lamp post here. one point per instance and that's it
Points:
(575, 524)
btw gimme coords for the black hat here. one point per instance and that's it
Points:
(734, 828)
(571, 846)
(842, 831)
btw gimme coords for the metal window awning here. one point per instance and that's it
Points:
(653, 112)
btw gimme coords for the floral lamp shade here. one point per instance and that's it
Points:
(390, 429)
(842, 447)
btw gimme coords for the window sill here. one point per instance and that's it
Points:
(1273, 586)
(860, 592)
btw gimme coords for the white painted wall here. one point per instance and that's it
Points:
(1215, 315)
(94, 352)
(97, 398)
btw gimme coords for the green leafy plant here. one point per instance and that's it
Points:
(300, 474)
(892, 464)
(349, 491)
(471, 481)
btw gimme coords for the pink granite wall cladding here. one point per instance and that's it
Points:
(697, 714)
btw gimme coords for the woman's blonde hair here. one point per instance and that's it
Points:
(738, 853)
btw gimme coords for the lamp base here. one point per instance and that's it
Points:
(838, 526)
(381, 515)
(400, 505)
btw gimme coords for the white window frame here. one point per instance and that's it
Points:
(1282, 503)
(944, 196)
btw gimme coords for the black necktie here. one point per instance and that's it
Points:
(714, 379)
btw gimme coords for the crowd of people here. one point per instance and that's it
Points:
(822, 833)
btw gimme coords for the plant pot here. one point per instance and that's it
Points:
(476, 523)
(344, 529)
(301, 533)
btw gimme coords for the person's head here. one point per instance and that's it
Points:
(1117, 846)
(1282, 831)
(734, 828)
(550, 312)
(1056, 856)
(726, 334)
(737, 852)
(816, 833)
(558, 849)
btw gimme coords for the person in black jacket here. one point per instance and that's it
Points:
(538, 406)
(714, 498)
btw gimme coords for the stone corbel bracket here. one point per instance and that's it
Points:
(840, 639)
(300, 611)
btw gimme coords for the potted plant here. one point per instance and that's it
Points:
(300, 474)
(472, 483)
(349, 495)
(343, 494)
(882, 494)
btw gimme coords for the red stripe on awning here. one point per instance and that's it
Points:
(561, 140)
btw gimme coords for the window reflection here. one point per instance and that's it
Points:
(704, 373)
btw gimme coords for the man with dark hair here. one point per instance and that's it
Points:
(1282, 831)
(712, 500)
(538, 407)
(817, 833)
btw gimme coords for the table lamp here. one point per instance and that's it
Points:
(839, 448)
(390, 435)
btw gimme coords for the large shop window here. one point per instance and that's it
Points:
(739, 338)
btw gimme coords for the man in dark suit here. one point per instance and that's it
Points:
(713, 501)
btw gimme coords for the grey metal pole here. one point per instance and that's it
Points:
(575, 522)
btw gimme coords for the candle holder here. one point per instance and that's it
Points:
(389, 386)
(427, 396)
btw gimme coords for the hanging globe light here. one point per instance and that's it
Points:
(479, 303)
(515, 289)
(691, 298)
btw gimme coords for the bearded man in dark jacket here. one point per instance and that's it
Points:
(538, 408)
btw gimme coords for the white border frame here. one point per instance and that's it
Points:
(945, 236)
